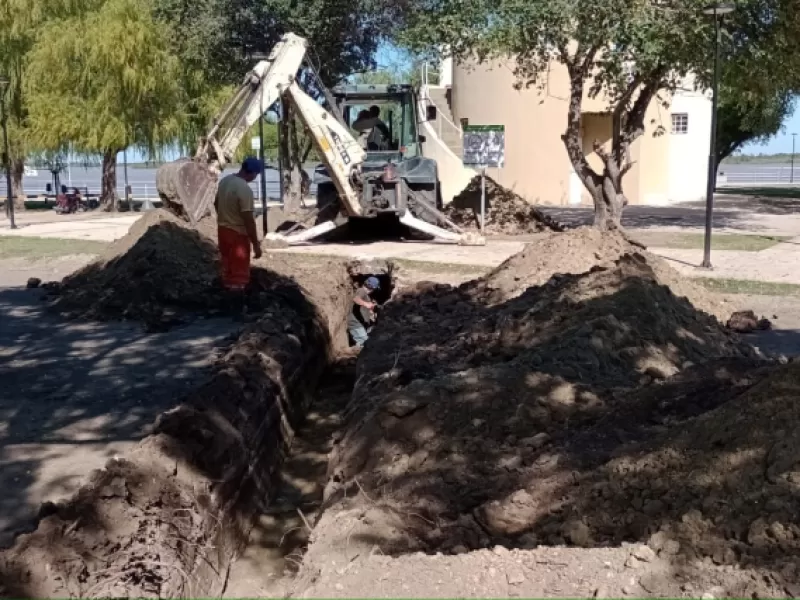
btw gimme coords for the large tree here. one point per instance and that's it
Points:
(101, 81)
(20, 22)
(630, 52)
(760, 79)
(220, 37)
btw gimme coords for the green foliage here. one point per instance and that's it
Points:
(626, 51)
(747, 118)
(104, 81)
(760, 79)
(219, 37)
(20, 22)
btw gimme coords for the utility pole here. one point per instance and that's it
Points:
(717, 11)
(791, 173)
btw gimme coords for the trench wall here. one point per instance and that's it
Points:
(167, 518)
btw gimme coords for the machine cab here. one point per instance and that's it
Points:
(397, 137)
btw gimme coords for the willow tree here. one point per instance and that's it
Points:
(102, 81)
(20, 20)
(628, 52)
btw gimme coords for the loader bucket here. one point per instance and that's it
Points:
(187, 188)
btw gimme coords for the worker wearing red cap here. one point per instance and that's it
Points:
(237, 232)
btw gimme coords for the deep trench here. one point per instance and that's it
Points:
(235, 471)
(280, 534)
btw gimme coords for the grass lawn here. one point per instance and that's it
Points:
(719, 241)
(748, 286)
(38, 248)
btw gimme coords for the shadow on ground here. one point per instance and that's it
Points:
(167, 517)
(733, 210)
(595, 410)
(76, 393)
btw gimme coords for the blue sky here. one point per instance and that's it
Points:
(781, 143)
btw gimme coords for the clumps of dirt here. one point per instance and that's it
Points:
(577, 251)
(166, 519)
(507, 213)
(746, 321)
(616, 326)
(168, 271)
(596, 409)
(161, 273)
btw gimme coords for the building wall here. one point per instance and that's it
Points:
(665, 169)
(536, 165)
(688, 153)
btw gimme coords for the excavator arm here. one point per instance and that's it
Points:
(188, 187)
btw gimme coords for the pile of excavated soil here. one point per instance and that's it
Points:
(161, 270)
(593, 410)
(577, 251)
(507, 213)
(167, 518)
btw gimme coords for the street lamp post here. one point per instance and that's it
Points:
(791, 173)
(717, 10)
(4, 83)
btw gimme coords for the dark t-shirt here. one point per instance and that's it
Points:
(359, 315)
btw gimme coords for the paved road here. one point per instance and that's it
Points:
(77, 393)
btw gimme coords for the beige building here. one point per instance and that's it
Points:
(670, 159)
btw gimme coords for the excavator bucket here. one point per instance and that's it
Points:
(187, 188)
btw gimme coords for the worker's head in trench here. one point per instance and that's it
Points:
(251, 168)
(372, 284)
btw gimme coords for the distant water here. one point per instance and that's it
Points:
(141, 180)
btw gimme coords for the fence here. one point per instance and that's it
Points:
(755, 175)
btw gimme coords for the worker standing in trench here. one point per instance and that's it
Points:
(362, 313)
(236, 226)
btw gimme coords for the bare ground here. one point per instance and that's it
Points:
(354, 566)
(76, 393)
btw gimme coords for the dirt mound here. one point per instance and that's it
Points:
(597, 327)
(207, 228)
(506, 212)
(577, 251)
(166, 519)
(571, 413)
(155, 277)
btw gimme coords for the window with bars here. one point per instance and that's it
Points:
(680, 123)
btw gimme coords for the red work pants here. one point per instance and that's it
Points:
(234, 249)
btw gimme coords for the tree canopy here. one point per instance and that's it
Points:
(101, 81)
(750, 118)
(219, 37)
(629, 52)
(20, 21)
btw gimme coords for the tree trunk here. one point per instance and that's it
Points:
(108, 188)
(293, 180)
(609, 201)
(17, 173)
